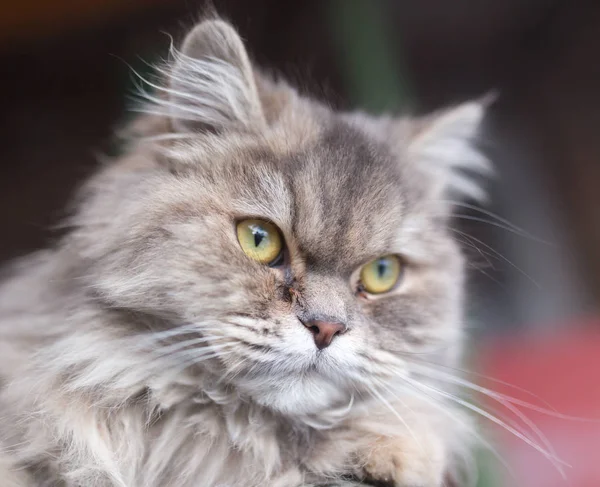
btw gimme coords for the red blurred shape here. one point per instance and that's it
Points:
(563, 370)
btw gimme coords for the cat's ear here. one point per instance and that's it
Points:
(447, 146)
(212, 83)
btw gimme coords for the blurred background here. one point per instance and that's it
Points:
(534, 250)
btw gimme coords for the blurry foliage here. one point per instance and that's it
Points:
(375, 80)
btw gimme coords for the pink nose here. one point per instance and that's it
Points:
(324, 332)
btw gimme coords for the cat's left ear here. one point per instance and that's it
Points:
(447, 146)
(212, 84)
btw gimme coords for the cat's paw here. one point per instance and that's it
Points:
(406, 463)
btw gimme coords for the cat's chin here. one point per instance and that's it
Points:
(300, 396)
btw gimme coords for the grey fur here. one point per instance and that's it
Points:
(146, 349)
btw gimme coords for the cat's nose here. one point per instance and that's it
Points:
(324, 331)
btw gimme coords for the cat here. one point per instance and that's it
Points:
(251, 295)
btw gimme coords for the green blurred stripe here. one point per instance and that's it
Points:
(369, 55)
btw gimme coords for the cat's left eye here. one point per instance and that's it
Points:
(261, 241)
(381, 275)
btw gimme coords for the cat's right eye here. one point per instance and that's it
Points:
(260, 240)
(381, 275)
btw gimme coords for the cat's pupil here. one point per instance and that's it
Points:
(259, 235)
(381, 268)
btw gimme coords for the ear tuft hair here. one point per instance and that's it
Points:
(211, 85)
(445, 144)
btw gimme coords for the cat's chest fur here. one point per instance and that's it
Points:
(204, 438)
(215, 435)
(197, 443)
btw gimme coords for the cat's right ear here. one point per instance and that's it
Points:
(211, 82)
(445, 145)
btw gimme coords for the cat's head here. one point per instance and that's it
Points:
(304, 255)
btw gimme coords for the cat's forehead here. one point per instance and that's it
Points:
(348, 196)
(342, 198)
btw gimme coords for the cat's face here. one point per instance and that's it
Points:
(359, 271)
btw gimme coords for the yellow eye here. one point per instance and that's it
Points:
(381, 275)
(260, 240)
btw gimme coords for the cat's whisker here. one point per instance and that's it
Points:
(471, 467)
(556, 462)
(234, 372)
(550, 408)
(387, 404)
(488, 275)
(500, 220)
(499, 255)
(158, 336)
(502, 398)
(185, 329)
(174, 347)
(192, 360)
(515, 429)
(524, 421)
(505, 401)
(501, 226)
(195, 352)
(469, 429)
(482, 253)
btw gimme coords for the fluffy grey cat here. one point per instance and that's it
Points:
(252, 295)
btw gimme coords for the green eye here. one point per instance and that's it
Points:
(260, 240)
(381, 275)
